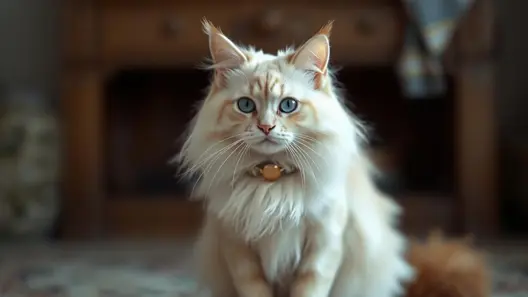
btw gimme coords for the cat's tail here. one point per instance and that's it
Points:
(448, 268)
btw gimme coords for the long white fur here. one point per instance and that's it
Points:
(272, 217)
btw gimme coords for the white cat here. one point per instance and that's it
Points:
(322, 228)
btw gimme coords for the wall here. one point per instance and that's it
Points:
(512, 106)
(512, 67)
(29, 43)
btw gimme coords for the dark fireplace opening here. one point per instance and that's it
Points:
(148, 110)
(147, 114)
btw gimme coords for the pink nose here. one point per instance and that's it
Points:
(266, 129)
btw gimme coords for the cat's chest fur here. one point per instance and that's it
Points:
(280, 253)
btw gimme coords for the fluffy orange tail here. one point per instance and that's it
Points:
(448, 268)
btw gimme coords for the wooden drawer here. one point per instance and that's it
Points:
(362, 34)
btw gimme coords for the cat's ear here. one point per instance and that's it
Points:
(314, 54)
(225, 54)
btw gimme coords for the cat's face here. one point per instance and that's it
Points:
(268, 107)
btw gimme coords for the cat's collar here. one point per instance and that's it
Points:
(271, 171)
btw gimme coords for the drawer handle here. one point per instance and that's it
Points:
(171, 27)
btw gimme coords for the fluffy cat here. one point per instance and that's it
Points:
(322, 229)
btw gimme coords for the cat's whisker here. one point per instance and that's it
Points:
(306, 144)
(197, 166)
(209, 166)
(306, 154)
(296, 159)
(306, 166)
(210, 163)
(288, 151)
(218, 155)
(307, 137)
(241, 155)
(308, 158)
(304, 160)
(240, 144)
(310, 139)
(200, 177)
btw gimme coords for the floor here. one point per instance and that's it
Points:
(161, 269)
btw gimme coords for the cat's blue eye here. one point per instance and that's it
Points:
(246, 105)
(288, 105)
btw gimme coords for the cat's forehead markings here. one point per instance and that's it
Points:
(255, 87)
(266, 83)
(266, 86)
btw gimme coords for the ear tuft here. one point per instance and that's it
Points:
(224, 53)
(209, 28)
(314, 54)
(326, 29)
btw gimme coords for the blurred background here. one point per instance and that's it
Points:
(94, 96)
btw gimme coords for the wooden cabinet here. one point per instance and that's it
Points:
(130, 80)
(173, 34)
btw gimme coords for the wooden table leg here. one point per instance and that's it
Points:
(83, 153)
(476, 150)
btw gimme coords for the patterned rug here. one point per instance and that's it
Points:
(152, 270)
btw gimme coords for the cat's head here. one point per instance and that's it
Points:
(260, 106)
